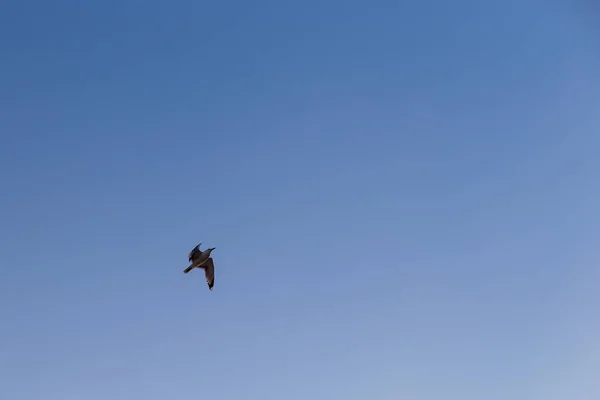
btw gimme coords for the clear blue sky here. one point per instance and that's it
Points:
(403, 197)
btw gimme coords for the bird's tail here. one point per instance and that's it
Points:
(188, 269)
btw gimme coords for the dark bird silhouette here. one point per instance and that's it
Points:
(202, 259)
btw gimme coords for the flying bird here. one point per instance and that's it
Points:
(202, 259)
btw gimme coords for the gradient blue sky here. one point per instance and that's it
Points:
(403, 197)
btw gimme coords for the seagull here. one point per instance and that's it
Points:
(202, 259)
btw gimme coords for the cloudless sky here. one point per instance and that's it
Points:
(403, 197)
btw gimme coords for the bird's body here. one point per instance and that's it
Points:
(202, 259)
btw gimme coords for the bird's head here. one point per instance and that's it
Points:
(211, 249)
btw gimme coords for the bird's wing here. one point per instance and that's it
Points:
(195, 250)
(209, 272)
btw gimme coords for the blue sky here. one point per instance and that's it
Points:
(403, 197)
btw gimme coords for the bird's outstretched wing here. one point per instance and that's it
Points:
(194, 251)
(209, 272)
